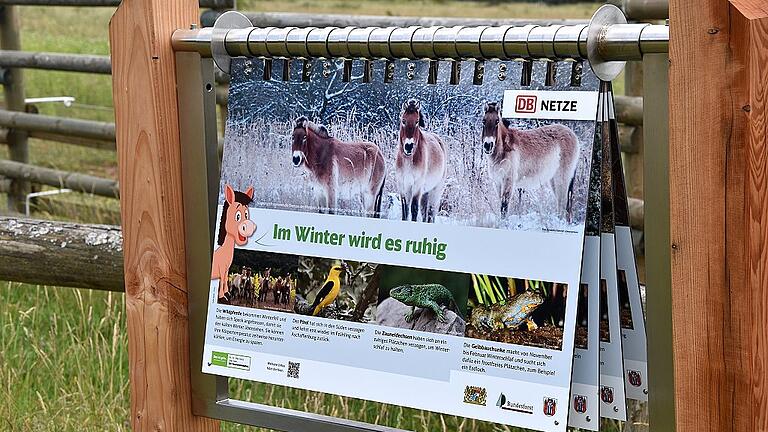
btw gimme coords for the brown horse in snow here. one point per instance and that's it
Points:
(235, 227)
(338, 167)
(420, 165)
(529, 159)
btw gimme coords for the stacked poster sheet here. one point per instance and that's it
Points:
(433, 235)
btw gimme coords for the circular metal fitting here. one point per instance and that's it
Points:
(296, 42)
(378, 42)
(224, 23)
(468, 42)
(492, 42)
(541, 41)
(444, 42)
(516, 42)
(277, 42)
(400, 42)
(421, 43)
(567, 41)
(317, 42)
(607, 15)
(357, 42)
(337, 42)
(257, 41)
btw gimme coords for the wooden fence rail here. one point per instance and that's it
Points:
(99, 64)
(292, 19)
(64, 254)
(63, 179)
(84, 255)
(13, 98)
(56, 125)
(214, 4)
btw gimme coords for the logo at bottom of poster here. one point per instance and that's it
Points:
(475, 395)
(635, 378)
(550, 406)
(606, 394)
(509, 405)
(580, 404)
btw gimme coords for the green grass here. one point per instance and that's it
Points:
(63, 352)
(64, 360)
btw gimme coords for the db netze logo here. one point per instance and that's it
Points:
(525, 104)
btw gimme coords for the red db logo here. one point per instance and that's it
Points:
(525, 104)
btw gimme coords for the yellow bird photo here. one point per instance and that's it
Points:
(329, 291)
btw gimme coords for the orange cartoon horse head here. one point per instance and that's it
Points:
(235, 217)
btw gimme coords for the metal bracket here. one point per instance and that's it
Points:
(605, 16)
(227, 21)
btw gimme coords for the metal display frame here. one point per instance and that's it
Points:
(606, 43)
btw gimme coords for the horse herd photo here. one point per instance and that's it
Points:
(434, 153)
(518, 160)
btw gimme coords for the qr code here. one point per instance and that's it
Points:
(293, 369)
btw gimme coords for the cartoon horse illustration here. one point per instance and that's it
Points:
(336, 166)
(528, 159)
(420, 165)
(235, 227)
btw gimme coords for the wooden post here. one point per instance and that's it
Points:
(148, 144)
(13, 90)
(719, 214)
(634, 161)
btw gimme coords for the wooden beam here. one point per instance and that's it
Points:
(719, 218)
(634, 162)
(292, 19)
(93, 143)
(13, 95)
(747, 215)
(57, 125)
(88, 63)
(213, 4)
(73, 255)
(60, 179)
(146, 113)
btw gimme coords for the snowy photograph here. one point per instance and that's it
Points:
(401, 140)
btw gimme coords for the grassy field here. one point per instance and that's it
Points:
(63, 352)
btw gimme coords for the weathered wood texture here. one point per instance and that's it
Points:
(747, 214)
(214, 4)
(634, 161)
(629, 109)
(64, 254)
(643, 10)
(719, 214)
(146, 112)
(60, 179)
(55, 61)
(293, 19)
(72, 127)
(13, 92)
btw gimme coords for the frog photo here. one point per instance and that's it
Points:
(517, 311)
